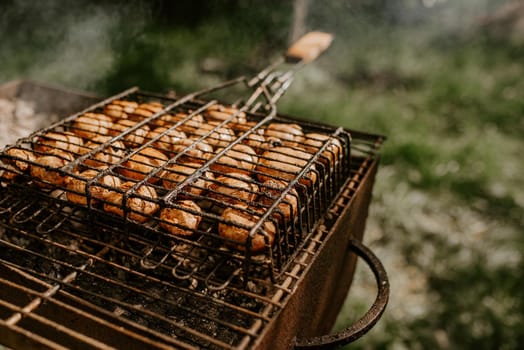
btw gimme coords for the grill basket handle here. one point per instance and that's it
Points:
(308, 47)
(366, 322)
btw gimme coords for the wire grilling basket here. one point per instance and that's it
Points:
(218, 191)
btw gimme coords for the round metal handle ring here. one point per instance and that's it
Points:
(366, 322)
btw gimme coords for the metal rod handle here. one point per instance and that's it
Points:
(271, 83)
(366, 322)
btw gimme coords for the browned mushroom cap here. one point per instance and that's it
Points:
(230, 190)
(115, 111)
(139, 165)
(181, 221)
(76, 187)
(177, 173)
(109, 155)
(257, 142)
(315, 141)
(164, 120)
(165, 138)
(145, 110)
(139, 208)
(154, 107)
(46, 169)
(285, 163)
(8, 172)
(237, 226)
(100, 189)
(19, 163)
(193, 151)
(141, 114)
(271, 191)
(63, 141)
(128, 106)
(239, 159)
(221, 113)
(133, 139)
(25, 156)
(241, 128)
(89, 125)
(188, 125)
(108, 184)
(291, 135)
(218, 136)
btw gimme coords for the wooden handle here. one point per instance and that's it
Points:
(309, 47)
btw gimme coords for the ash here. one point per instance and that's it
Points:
(19, 118)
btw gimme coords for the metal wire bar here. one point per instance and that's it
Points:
(118, 333)
(184, 328)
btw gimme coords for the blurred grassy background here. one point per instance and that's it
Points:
(442, 79)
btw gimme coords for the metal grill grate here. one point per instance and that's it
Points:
(289, 198)
(56, 261)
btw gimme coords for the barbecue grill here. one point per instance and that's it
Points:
(77, 274)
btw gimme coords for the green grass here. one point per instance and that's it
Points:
(447, 216)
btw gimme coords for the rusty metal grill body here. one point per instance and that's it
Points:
(76, 277)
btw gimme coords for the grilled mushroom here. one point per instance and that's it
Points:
(106, 186)
(165, 138)
(133, 139)
(193, 151)
(181, 221)
(139, 208)
(236, 226)
(288, 206)
(291, 135)
(77, 190)
(146, 110)
(177, 173)
(284, 163)
(77, 186)
(220, 112)
(13, 166)
(188, 126)
(115, 111)
(25, 155)
(239, 189)
(109, 155)
(46, 169)
(241, 128)
(331, 154)
(8, 172)
(239, 159)
(141, 113)
(139, 165)
(154, 107)
(89, 125)
(120, 109)
(128, 106)
(218, 136)
(257, 142)
(62, 141)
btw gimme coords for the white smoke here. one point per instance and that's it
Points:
(83, 56)
(68, 45)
